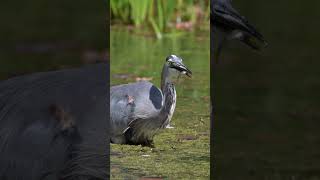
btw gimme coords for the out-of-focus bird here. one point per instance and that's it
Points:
(53, 125)
(139, 110)
(227, 24)
(231, 25)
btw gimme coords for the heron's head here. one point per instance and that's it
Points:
(174, 67)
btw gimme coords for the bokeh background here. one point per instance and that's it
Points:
(267, 114)
(48, 35)
(143, 34)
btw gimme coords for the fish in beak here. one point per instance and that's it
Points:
(176, 63)
(184, 70)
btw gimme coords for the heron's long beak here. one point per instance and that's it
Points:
(183, 69)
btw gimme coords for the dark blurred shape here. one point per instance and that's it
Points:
(53, 125)
(40, 35)
(232, 25)
(268, 106)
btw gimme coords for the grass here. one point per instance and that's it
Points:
(179, 153)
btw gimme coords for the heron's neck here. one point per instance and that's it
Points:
(166, 78)
(169, 97)
(169, 94)
(169, 103)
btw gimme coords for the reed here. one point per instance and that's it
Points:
(159, 15)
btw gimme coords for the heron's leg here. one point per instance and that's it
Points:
(169, 126)
(221, 43)
(119, 139)
(148, 143)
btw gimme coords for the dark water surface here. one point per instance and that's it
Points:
(268, 104)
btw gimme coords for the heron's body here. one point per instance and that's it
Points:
(141, 101)
(139, 110)
(53, 125)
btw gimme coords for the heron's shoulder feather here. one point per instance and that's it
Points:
(132, 86)
(140, 91)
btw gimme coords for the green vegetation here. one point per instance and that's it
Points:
(161, 15)
(182, 152)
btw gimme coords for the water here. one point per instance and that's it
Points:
(182, 152)
(267, 104)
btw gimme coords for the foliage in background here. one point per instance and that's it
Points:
(161, 15)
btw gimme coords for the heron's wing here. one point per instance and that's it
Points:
(134, 109)
(224, 16)
(134, 101)
(121, 113)
(141, 130)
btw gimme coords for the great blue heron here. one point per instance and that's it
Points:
(139, 110)
(232, 25)
(227, 21)
(53, 125)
